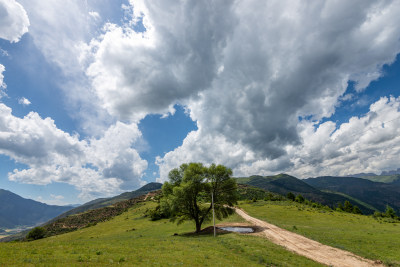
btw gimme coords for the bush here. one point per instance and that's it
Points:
(36, 233)
(390, 212)
(299, 199)
(290, 196)
(356, 210)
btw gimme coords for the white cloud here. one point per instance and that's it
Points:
(95, 15)
(60, 30)
(370, 143)
(135, 73)
(58, 197)
(3, 85)
(57, 27)
(101, 166)
(24, 101)
(284, 61)
(245, 70)
(14, 21)
(366, 144)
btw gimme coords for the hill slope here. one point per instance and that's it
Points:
(390, 179)
(103, 202)
(283, 184)
(375, 194)
(131, 239)
(17, 211)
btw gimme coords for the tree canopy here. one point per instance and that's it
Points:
(187, 195)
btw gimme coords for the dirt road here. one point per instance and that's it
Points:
(306, 247)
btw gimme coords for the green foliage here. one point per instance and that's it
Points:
(36, 233)
(187, 195)
(390, 212)
(388, 216)
(356, 210)
(299, 198)
(291, 196)
(247, 192)
(348, 207)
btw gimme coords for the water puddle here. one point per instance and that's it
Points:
(243, 230)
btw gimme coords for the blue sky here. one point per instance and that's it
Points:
(101, 97)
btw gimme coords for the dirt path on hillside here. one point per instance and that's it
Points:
(306, 247)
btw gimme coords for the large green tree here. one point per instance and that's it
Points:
(187, 195)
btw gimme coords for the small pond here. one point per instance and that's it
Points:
(244, 230)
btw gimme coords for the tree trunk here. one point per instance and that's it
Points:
(198, 226)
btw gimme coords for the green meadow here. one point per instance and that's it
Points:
(131, 239)
(362, 235)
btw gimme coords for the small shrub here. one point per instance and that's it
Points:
(390, 212)
(290, 196)
(36, 233)
(356, 210)
(299, 199)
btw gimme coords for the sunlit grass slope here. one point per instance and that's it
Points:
(362, 235)
(132, 240)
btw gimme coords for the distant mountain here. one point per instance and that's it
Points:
(375, 194)
(283, 184)
(361, 175)
(393, 172)
(103, 202)
(17, 211)
(389, 179)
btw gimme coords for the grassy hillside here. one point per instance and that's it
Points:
(131, 239)
(362, 235)
(103, 202)
(283, 184)
(395, 179)
(375, 194)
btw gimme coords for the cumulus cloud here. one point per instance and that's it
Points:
(245, 70)
(14, 21)
(95, 166)
(369, 143)
(284, 61)
(24, 101)
(60, 30)
(137, 73)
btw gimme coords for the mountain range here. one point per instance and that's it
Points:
(375, 194)
(17, 211)
(370, 193)
(367, 194)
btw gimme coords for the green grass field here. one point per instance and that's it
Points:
(362, 235)
(132, 240)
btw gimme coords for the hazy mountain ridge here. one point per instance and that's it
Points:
(283, 184)
(376, 194)
(18, 211)
(103, 202)
(111, 207)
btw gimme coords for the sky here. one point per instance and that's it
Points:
(101, 97)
